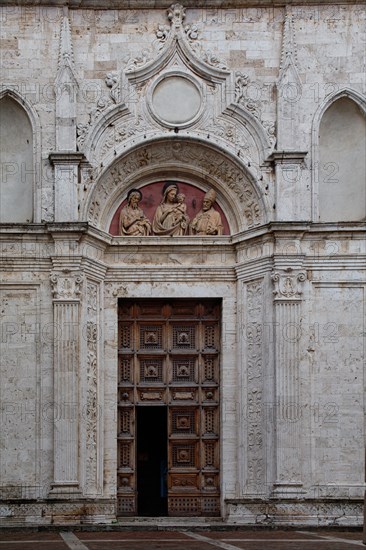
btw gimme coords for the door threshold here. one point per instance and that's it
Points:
(167, 520)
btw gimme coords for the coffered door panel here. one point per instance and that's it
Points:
(169, 356)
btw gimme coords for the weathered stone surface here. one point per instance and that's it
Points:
(98, 88)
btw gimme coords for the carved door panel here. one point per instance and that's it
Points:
(169, 356)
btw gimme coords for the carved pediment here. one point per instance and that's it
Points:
(176, 85)
(177, 43)
(168, 85)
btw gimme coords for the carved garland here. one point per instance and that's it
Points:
(208, 162)
(92, 388)
(253, 106)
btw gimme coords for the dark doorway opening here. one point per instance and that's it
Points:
(152, 461)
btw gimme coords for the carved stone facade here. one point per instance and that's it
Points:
(261, 110)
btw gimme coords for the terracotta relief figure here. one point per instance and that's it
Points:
(132, 220)
(208, 220)
(170, 216)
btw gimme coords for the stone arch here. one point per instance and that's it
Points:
(101, 146)
(245, 119)
(20, 159)
(195, 162)
(339, 130)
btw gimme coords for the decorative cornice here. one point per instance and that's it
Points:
(164, 274)
(66, 157)
(153, 4)
(286, 157)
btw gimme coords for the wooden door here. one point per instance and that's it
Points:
(169, 357)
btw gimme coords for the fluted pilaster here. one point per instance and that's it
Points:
(66, 291)
(287, 295)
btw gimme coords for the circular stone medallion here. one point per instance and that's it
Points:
(176, 100)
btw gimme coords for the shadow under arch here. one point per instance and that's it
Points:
(190, 160)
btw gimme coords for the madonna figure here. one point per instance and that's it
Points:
(170, 216)
(132, 220)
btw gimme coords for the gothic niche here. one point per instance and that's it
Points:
(16, 146)
(169, 208)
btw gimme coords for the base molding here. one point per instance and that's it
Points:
(57, 511)
(295, 512)
(271, 512)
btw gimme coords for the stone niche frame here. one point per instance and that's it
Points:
(36, 153)
(193, 161)
(347, 93)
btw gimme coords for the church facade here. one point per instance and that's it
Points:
(183, 214)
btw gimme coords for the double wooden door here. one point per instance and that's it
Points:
(168, 358)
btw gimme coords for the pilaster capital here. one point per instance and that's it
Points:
(66, 285)
(288, 284)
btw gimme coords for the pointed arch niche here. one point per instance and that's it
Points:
(18, 169)
(341, 156)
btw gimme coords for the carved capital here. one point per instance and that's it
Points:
(66, 285)
(288, 284)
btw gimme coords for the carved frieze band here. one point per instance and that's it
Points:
(254, 336)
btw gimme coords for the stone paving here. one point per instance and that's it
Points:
(181, 540)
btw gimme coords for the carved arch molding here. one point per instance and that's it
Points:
(195, 162)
